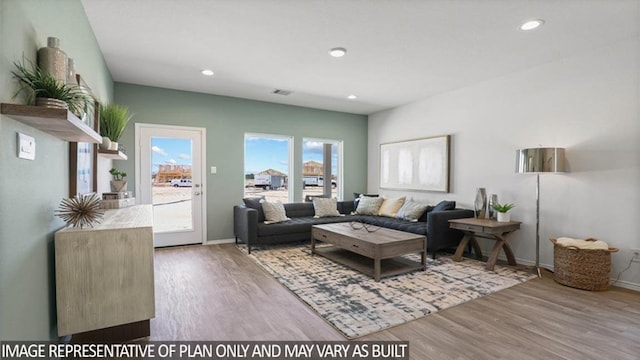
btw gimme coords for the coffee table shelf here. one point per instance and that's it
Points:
(376, 254)
(365, 265)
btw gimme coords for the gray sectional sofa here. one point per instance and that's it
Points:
(249, 226)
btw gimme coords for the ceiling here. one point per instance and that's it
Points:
(398, 51)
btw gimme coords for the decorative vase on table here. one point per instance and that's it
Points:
(504, 217)
(480, 204)
(53, 60)
(493, 199)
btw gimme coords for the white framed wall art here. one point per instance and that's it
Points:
(420, 164)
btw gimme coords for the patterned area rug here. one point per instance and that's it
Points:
(356, 305)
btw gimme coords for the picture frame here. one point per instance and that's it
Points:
(419, 164)
(83, 157)
(82, 168)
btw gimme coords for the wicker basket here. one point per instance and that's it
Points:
(582, 268)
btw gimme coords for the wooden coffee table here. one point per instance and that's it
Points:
(356, 247)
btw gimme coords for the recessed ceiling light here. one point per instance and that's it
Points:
(531, 24)
(207, 72)
(337, 52)
(352, 97)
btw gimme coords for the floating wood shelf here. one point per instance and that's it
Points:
(112, 154)
(57, 122)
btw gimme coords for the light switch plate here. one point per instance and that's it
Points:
(26, 147)
(214, 170)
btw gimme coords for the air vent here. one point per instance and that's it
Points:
(282, 92)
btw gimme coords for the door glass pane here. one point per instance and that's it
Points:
(313, 176)
(171, 184)
(266, 167)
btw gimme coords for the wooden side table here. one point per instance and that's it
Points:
(488, 229)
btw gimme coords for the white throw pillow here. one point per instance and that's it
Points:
(369, 205)
(412, 211)
(390, 206)
(324, 207)
(273, 212)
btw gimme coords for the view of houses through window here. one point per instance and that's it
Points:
(267, 167)
(171, 183)
(313, 164)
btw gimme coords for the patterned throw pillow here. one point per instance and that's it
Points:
(325, 207)
(369, 205)
(390, 206)
(412, 211)
(274, 212)
(357, 196)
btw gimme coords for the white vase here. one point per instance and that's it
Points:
(106, 143)
(504, 217)
(114, 146)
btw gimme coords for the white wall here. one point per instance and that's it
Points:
(588, 103)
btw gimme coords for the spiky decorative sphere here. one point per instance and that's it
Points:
(81, 210)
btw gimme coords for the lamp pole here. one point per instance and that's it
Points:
(537, 160)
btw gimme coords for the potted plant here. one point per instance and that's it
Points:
(118, 184)
(113, 120)
(502, 209)
(45, 90)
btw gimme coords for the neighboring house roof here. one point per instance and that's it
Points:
(271, 172)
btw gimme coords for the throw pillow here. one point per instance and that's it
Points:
(411, 211)
(445, 205)
(424, 216)
(325, 207)
(274, 212)
(254, 203)
(357, 196)
(369, 205)
(390, 206)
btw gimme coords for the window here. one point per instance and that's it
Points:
(267, 160)
(314, 153)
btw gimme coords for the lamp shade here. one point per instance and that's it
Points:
(539, 160)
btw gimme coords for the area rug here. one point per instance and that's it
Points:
(356, 305)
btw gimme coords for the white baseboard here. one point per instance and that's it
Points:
(619, 283)
(220, 241)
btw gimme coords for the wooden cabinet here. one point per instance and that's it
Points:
(104, 275)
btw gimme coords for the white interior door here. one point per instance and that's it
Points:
(169, 175)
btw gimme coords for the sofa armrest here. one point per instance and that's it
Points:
(439, 235)
(245, 225)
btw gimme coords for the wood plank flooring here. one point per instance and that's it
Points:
(218, 293)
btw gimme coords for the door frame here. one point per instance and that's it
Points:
(203, 156)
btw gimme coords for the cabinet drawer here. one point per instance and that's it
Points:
(465, 227)
(348, 243)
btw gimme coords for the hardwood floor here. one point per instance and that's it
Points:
(218, 293)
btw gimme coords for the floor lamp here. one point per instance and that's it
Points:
(539, 160)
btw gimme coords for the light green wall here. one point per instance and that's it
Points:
(227, 120)
(31, 190)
